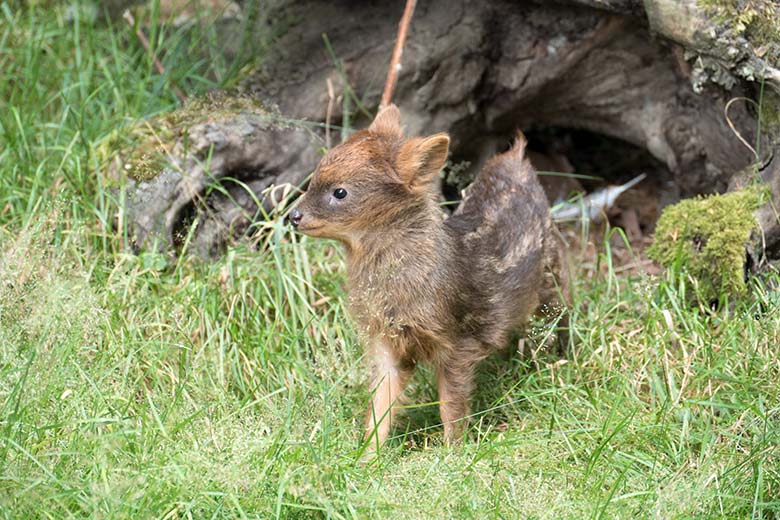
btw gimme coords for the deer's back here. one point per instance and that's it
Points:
(501, 228)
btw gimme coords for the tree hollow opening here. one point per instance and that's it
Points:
(573, 163)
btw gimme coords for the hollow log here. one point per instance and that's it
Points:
(656, 74)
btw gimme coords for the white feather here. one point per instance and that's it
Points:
(595, 204)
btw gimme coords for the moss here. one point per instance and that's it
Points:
(139, 150)
(457, 175)
(757, 20)
(143, 149)
(215, 106)
(705, 237)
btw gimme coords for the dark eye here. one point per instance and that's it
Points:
(340, 193)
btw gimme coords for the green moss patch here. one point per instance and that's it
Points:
(706, 238)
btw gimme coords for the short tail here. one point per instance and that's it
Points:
(500, 173)
(521, 165)
(518, 149)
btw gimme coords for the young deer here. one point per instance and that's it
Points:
(422, 288)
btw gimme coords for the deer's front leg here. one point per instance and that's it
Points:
(388, 379)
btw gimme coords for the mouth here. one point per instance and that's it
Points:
(308, 229)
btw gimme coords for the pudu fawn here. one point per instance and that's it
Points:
(422, 288)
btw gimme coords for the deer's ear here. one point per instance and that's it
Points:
(387, 122)
(420, 159)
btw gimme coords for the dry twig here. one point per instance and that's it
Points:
(331, 98)
(734, 128)
(395, 62)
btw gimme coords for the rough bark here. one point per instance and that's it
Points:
(481, 70)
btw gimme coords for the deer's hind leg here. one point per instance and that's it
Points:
(455, 382)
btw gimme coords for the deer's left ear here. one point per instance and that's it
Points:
(420, 159)
(387, 122)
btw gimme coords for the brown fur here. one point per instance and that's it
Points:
(422, 288)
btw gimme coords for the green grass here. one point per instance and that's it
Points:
(133, 387)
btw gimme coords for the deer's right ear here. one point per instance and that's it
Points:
(420, 160)
(387, 122)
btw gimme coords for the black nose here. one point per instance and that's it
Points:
(295, 217)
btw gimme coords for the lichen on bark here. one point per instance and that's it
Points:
(757, 20)
(741, 40)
